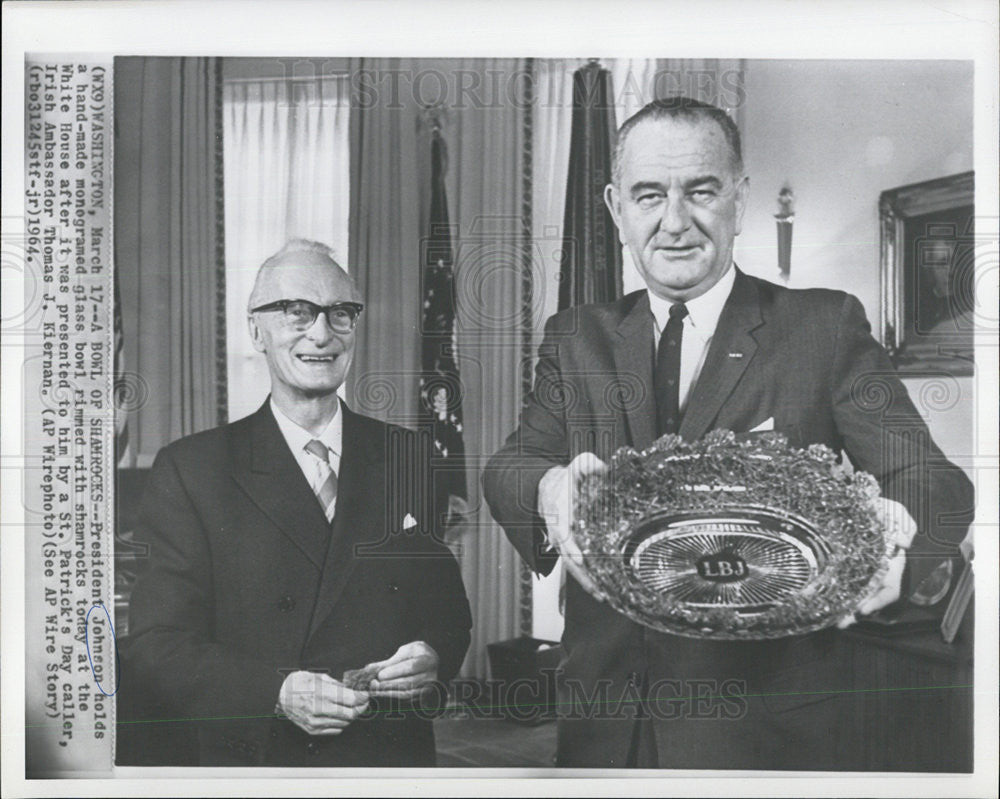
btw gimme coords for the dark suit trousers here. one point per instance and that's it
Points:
(746, 705)
(773, 705)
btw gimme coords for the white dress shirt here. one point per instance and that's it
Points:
(315, 470)
(699, 327)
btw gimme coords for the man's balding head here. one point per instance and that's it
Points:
(301, 255)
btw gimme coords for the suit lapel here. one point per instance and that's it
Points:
(271, 477)
(361, 507)
(729, 354)
(632, 344)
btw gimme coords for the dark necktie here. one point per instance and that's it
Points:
(667, 375)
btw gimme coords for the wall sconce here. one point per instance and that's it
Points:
(784, 219)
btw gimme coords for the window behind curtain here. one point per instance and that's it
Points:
(287, 175)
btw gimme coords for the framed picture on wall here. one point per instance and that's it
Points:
(928, 275)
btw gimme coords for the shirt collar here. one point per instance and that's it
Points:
(297, 437)
(703, 311)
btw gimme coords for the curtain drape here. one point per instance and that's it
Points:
(168, 237)
(487, 149)
(390, 193)
(287, 169)
(387, 206)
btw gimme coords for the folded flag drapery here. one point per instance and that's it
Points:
(592, 258)
(440, 385)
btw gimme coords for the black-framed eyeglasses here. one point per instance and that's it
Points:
(301, 314)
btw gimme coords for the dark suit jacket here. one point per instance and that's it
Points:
(805, 358)
(246, 583)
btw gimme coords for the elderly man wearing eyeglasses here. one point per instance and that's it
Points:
(299, 607)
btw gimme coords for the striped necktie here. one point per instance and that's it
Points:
(327, 492)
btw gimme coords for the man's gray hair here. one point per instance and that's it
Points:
(293, 247)
(685, 108)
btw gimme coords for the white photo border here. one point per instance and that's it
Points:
(751, 30)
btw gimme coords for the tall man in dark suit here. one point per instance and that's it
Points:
(706, 346)
(293, 546)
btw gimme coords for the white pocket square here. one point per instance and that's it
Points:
(408, 522)
(767, 424)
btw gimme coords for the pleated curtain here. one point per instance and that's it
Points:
(390, 195)
(168, 254)
(287, 170)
